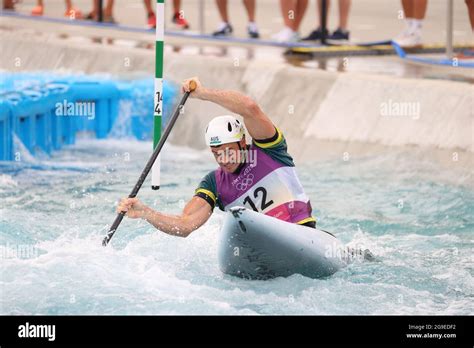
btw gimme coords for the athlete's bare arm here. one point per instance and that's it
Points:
(196, 212)
(257, 123)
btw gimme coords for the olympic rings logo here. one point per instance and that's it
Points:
(245, 183)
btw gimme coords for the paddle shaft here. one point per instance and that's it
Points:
(149, 164)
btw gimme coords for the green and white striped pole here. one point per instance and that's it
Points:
(158, 98)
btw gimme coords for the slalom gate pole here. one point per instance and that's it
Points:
(158, 93)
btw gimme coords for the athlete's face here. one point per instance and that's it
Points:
(229, 156)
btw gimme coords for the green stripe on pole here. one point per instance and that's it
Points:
(156, 130)
(159, 62)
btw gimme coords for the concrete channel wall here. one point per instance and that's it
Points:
(319, 111)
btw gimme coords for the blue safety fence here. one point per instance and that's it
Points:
(47, 111)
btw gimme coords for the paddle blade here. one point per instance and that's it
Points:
(113, 228)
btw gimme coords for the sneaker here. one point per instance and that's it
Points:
(315, 35)
(73, 13)
(339, 34)
(404, 33)
(225, 29)
(286, 35)
(105, 19)
(180, 21)
(37, 11)
(411, 40)
(151, 20)
(252, 30)
(90, 17)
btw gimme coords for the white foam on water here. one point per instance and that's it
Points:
(7, 181)
(61, 216)
(123, 125)
(21, 153)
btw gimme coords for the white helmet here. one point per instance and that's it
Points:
(223, 130)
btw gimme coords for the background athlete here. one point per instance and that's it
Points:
(260, 176)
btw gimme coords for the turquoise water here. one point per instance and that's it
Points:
(414, 215)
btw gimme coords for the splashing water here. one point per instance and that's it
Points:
(53, 215)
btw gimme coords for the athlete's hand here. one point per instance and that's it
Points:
(133, 207)
(198, 91)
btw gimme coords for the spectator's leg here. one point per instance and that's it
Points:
(250, 7)
(107, 12)
(72, 12)
(408, 13)
(222, 7)
(419, 9)
(408, 8)
(301, 6)
(289, 14)
(293, 12)
(109, 8)
(288, 11)
(176, 6)
(95, 11)
(148, 7)
(8, 5)
(470, 10)
(178, 15)
(344, 7)
(224, 28)
(317, 34)
(341, 33)
(150, 13)
(414, 11)
(252, 28)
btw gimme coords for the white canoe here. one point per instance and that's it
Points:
(257, 246)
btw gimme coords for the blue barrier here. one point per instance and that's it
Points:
(38, 105)
(142, 113)
(93, 104)
(62, 127)
(6, 136)
(22, 118)
(31, 118)
(47, 111)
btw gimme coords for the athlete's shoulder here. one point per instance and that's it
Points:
(207, 188)
(271, 142)
(275, 147)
